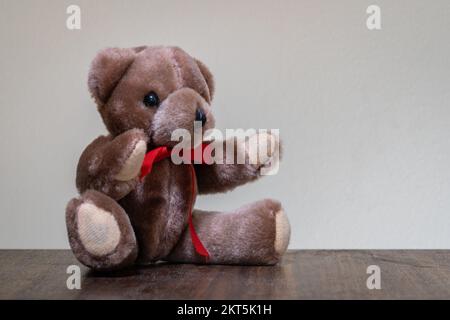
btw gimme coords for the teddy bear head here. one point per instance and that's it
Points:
(156, 89)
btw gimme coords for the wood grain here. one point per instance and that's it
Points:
(304, 274)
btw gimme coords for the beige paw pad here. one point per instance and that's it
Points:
(282, 232)
(263, 149)
(133, 164)
(98, 229)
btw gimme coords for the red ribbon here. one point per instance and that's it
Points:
(159, 154)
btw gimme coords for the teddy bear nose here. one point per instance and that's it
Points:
(200, 116)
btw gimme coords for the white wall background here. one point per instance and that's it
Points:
(365, 115)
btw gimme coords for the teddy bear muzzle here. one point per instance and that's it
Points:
(183, 107)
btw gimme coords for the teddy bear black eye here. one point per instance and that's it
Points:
(151, 99)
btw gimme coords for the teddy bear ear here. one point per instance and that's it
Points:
(139, 49)
(208, 77)
(107, 69)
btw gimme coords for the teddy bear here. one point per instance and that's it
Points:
(122, 219)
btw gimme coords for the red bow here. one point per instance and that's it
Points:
(159, 154)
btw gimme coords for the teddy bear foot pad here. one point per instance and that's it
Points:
(100, 232)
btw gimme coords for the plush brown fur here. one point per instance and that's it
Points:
(230, 237)
(152, 215)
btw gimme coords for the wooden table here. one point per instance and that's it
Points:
(303, 274)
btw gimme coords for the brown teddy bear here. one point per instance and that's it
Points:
(143, 94)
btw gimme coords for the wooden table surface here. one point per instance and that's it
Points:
(303, 274)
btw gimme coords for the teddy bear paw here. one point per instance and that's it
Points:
(133, 164)
(282, 232)
(98, 229)
(263, 151)
(100, 232)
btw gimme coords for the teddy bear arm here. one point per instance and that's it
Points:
(111, 164)
(246, 163)
(217, 178)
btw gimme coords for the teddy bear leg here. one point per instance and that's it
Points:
(255, 234)
(100, 232)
